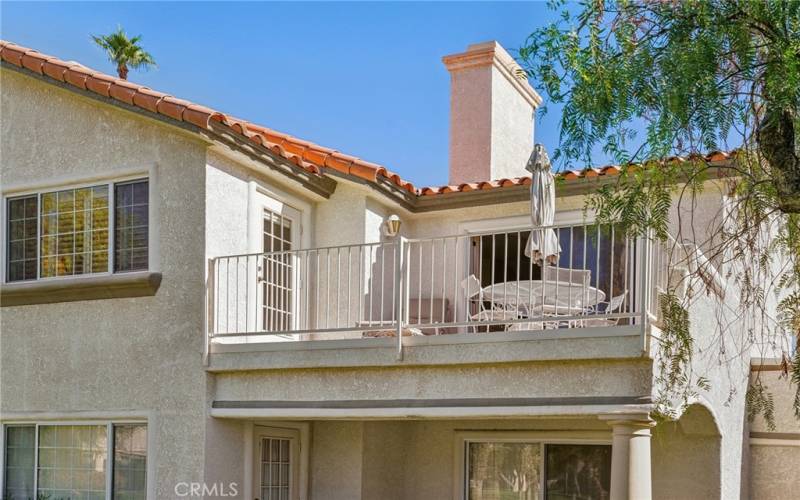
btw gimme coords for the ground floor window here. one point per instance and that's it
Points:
(517, 470)
(63, 461)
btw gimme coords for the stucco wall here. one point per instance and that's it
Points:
(512, 129)
(548, 379)
(773, 472)
(336, 460)
(470, 124)
(774, 453)
(686, 457)
(119, 355)
(406, 460)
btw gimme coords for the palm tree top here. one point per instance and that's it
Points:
(124, 52)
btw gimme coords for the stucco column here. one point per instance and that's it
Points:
(630, 457)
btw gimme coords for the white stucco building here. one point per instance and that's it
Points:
(197, 306)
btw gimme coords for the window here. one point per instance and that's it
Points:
(67, 232)
(22, 242)
(578, 471)
(276, 464)
(72, 461)
(531, 470)
(19, 460)
(130, 226)
(503, 470)
(74, 232)
(275, 468)
(130, 461)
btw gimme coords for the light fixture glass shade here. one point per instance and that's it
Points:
(391, 226)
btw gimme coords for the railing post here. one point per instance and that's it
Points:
(208, 328)
(644, 287)
(398, 295)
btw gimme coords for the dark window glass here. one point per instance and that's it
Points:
(22, 238)
(19, 460)
(577, 471)
(499, 471)
(131, 226)
(130, 462)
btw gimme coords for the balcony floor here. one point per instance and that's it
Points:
(617, 342)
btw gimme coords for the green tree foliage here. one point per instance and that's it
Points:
(692, 77)
(124, 52)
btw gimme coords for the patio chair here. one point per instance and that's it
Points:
(580, 277)
(607, 308)
(475, 300)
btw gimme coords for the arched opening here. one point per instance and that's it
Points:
(686, 456)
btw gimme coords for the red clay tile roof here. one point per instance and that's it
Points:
(306, 155)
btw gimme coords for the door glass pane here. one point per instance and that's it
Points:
(72, 461)
(22, 238)
(275, 467)
(578, 471)
(499, 471)
(278, 279)
(130, 462)
(19, 461)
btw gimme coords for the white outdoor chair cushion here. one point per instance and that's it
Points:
(567, 275)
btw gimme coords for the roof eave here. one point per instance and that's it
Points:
(216, 133)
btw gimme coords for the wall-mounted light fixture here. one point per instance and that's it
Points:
(391, 226)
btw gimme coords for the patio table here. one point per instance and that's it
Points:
(559, 297)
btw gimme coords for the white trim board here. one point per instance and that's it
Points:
(426, 413)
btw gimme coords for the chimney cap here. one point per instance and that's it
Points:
(491, 53)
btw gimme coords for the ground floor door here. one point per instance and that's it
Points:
(277, 453)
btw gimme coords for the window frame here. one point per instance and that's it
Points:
(303, 457)
(111, 182)
(542, 438)
(110, 449)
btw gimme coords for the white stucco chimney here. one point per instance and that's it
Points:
(491, 114)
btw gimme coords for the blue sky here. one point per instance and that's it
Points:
(364, 78)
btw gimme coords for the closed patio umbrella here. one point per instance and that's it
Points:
(542, 242)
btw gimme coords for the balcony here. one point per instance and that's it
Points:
(467, 288)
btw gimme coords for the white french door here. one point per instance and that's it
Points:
(276, 230)
(276, 460)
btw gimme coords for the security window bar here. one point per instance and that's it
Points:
(277, 288)
(130, 226)
(22, 233)
(275, 469)
(67, 232)
(65, 461)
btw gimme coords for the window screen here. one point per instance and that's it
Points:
(75, 462)
(67, 232)
(131, 200)
(72, 461)
(22, 234)
(130, 462)
(19, 460)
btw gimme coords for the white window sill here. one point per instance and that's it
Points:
(108, 286)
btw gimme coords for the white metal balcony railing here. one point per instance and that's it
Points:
(469, 284)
